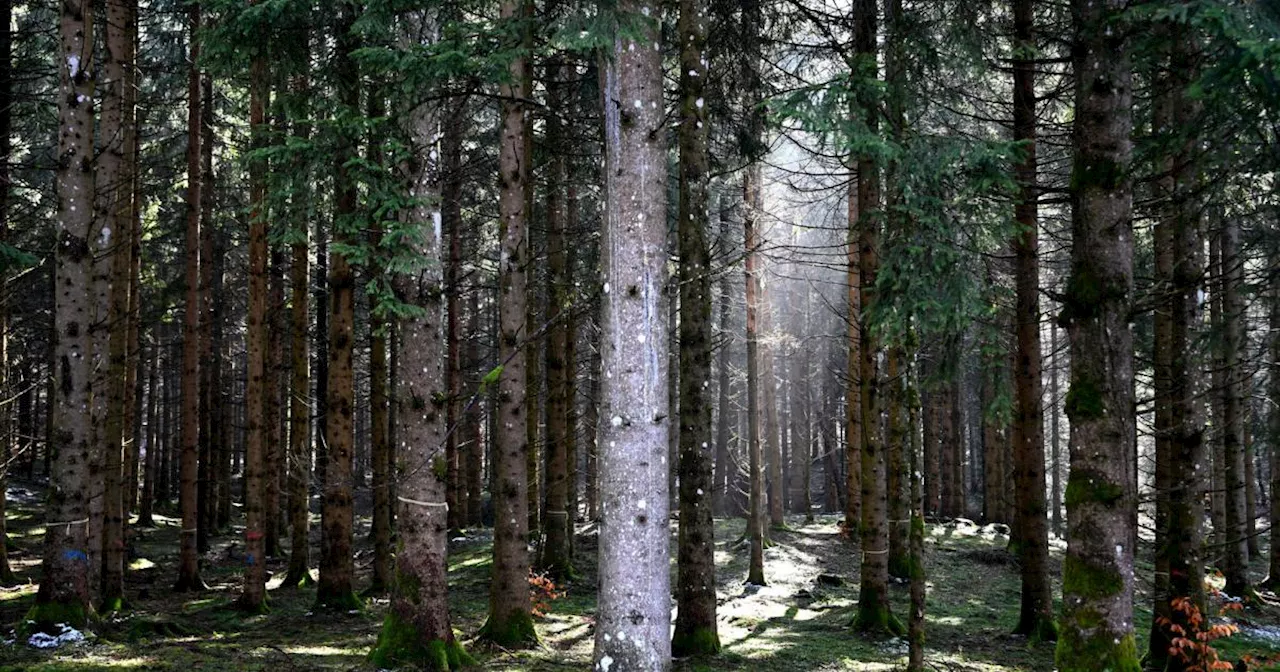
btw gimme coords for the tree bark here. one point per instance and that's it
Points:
(755, 459)
(695, 631)
(1035, 618)
(188, 557)
(1236, 565)
(379, 429)
(510, 622)
(254, 595)
(633, 619)
(64, 576)
(335, 589)
(1097, 618)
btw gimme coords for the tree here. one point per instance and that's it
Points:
(1096, 630)
(1179, 565)
(1236, 552)
(633, 617)
(335, 589)
(189, 563)
(510, 622)
(253, 598)
(417, 629)
(64, 576)
(1035, 617)
(696, 586)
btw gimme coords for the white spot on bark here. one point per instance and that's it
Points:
(699, 103)
(605, 662)
(73, 65)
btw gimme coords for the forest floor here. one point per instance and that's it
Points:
(799, 622)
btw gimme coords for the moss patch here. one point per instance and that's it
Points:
(515, 631)
(695, 642)
(45, 617)
(1087, 486)
(1101, 652)
(1084, 400)
(399, 643)
(347, 601)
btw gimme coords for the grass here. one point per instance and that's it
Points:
(792, 624)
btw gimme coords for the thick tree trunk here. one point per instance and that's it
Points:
(1097, 618)
(335, 589)
(695, 631)
(633, 620)
(416, 630)
(510, 622)
(188, 557)
(1035, 617)
(64, 576)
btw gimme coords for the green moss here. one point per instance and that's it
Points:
(875, 618)
(1084, 400)
(1083, 580)
(112, 605)
(900, 565)
(347, 601)
(399, 643)
(514, 631)
(439, 467)
(695, 642)
(1098, 652)
(44, 617)
(1088, 486)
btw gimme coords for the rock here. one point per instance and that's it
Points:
(829, 580)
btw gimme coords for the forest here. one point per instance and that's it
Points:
(636, 335)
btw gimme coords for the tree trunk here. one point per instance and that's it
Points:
(336, 586)
(1097, 617)
(755, 508)
(633, 619)
(1179, 432)
(1035, 618)
(721, 479)
(1055, 438)
(510, 623)
(457, 446)
(897, 479)
(1236, 565)
(64, 575)
(188, 557)
(6, 388)
(146, 501)
(915, 622)
(853, 392)
(254, 596)
(557, 521)
(695, 631)
(1273, 424)
(379, 429)
(416, 630)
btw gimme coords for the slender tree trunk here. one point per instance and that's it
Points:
(254, 595)
(801, 417)
(633, 620)
(299, 573)
(1273, 425)
(721, 479)
(915, 622)
(64, 576)
(472, 417)
(873, 600)
(6, 419)
(379, 428)
(1236, 565)
(1036, 614)
(1179, 433)
(336, 587)
(273, 407)
(188, 558)
(695, 631)
(510, 622)
(146, 501)
(769, 381)
(591, 428)
(457, 440)
(755, 507)
(1055, 438)
(853, 392)
(898, 480)
(557, 522)
(1097, 618)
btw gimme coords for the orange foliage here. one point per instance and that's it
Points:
(1192, 638)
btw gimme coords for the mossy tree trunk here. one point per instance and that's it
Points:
(695, 631)
(1096, 630)
(633, 621)
(510, 621)
(416, 630)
